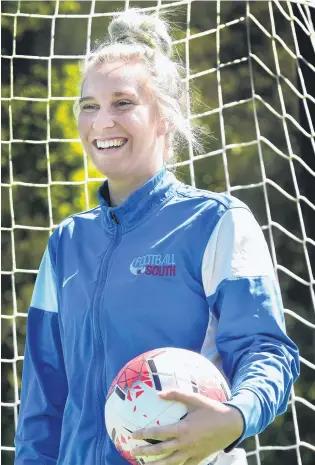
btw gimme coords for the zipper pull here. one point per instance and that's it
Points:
(114, 218)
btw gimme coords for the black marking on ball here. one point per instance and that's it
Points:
(113, 434)
(152, 441)
(194, 385)
(155, 376)
(120, 393)
(129, 431)
(157, 382)
(152, 366)
(149, 441)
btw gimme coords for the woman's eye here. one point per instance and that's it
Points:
(123, 103)
(89, 107)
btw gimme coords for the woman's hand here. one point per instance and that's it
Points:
(209, 426)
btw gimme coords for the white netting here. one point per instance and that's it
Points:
(251, 62)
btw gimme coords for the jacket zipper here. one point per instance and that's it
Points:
(101, 361)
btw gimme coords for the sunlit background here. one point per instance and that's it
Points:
(251, 68)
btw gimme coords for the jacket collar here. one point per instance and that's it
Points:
(149, 197)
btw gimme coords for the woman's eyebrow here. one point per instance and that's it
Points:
(125, 92)
(115, 94)
(83, 99)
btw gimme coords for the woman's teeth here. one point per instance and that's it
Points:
(105, 144)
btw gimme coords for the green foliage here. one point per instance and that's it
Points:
(61, 161)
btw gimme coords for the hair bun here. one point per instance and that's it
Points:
(133, 27)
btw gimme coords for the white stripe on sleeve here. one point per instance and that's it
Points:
(45, 295)
(236, 248)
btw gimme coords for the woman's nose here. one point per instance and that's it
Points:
(103, 120)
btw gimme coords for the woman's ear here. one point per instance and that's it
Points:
(165, 127)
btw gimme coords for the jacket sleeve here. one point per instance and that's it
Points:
(259, 359)
(44, 382)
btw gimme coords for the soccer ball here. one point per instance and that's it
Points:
(132, 401)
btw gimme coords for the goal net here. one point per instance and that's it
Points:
(253, 65)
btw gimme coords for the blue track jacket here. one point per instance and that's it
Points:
(172, 266)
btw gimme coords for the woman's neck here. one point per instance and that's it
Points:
(120, 190)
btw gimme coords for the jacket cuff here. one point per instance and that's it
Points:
(248, 404)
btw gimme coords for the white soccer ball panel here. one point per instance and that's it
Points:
(167, 381)
(189, 366)
(122, 438)
(133, 401)
(172, 414)
(140, 406)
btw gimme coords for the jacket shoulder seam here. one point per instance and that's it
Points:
(208, 195)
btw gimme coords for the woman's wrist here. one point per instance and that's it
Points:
(236, 424)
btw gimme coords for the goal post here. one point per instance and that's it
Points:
(251, 67)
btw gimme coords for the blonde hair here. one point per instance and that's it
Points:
(138, 37)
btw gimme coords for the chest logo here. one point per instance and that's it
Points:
(154, 265)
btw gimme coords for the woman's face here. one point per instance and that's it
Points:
(118, 122)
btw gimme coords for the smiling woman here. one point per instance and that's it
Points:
(119, 125)
(157, 264)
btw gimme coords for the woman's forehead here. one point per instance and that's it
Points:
(116, 77)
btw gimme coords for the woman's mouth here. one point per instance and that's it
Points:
(110, 144)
